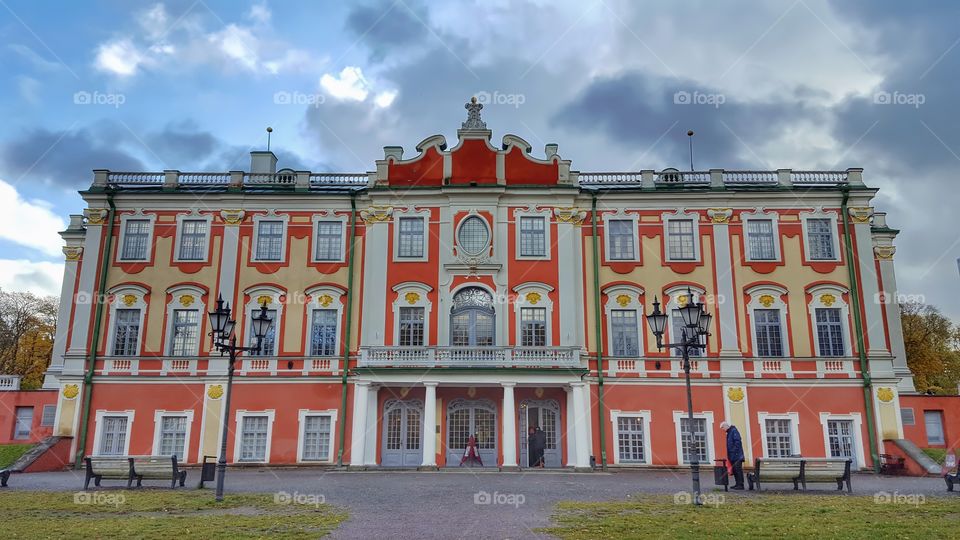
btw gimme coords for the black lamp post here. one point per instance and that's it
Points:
(225, 341)
(696, 325)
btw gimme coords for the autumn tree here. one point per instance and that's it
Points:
(27, 327)
(932, 343)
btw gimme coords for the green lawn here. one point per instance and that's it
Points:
(160, 514)
(937, 454)
(9, 453)
(762, 516)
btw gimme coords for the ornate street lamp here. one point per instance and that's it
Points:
(696, 325)
(225, 342)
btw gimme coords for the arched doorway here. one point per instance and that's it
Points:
(402, 433)
(472, 417)
(546, 414)
(472, 319)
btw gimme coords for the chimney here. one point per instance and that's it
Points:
(263, 162)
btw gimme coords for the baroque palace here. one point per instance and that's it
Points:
(478, 291)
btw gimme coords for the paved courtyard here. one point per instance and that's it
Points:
(466, 503)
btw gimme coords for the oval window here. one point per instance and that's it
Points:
(473, 235)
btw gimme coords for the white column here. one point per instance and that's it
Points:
(84, 298)
(889, 279)
(567, 282)
(430, 425)
(370, 427)
(509, 426)
(581, 435)
(227, 279)
(870, 288)
(725, 308)
(375, 250)
(570, 437)
(359, 430)
(51, 379)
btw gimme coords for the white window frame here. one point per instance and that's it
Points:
(98, 429)
(820, 213)
(531, 212)
(158, 416)
(315, 294)
(794, 418)
(759, 214)
(544, 301)
(328, 216)
(137, 215)
(301, 424)
(176, 303)
(238, 429)
(43, 414)
(681, 215)
(270, 216)
(672, 297)
(423, 301)
(644, 416)
(708, 416)
(816, 302)
(243, 326)
(118, 294)
(635, 293)
(857, 434)
(621, 215)
(755, 293)
(485, 250)
(193, 216)
(411, 213)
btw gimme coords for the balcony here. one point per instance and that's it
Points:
(720, 179)
(9, 383)
(483, 357)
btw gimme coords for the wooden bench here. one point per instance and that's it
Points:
(892, 464)
(5, 475)
(952, 478)
(110, 467)
(826, 470)
(157, 468)
(775, 470)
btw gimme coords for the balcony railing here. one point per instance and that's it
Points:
(546, 357)
(719, 178)
(303, 180)
(9, 383)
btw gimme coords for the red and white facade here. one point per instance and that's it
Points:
(457, 293)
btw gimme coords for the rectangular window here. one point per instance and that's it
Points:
(411, 327)
(411, 237)
(677, 332)
(135, 237)
(323, 333)
(906, 414)
(533, 327)
(193, 240)
(820, 239)
(532, 237)
(680, 240)
(840, 438)
(127, 332)
(253, 438)
(173, 436)
(934, 423)
(630, 439)
(49, 415)
(830, 331)
(316, 437)
(623, 326)
(113, 436)
(269, 344)
(769, 339)
(186, 332)
(621, 240)
(779, 438)
(760, 239)
(24, 422)
(269, 240)
(699, 446)
(329, 240)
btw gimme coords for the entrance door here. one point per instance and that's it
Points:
(402, 433)
(840, 435)
(465, 418)
(544, 413)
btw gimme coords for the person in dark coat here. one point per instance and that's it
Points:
(532, 446)
(734, 453)
(540, 438)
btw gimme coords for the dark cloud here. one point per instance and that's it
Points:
(384, 25)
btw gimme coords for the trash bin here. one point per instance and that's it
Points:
(208, 470)
(720, 475)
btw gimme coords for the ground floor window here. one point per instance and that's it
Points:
(934, 424)
(694, 444)
(777, 432)
(113, 435)
(173, 436)
(630, 435)
(253, 441)
(317, 440)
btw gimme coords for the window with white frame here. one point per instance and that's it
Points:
(680, 240)
(473, 235)
(533, 327)
(830, 331)
(323, 332)
(533, 236)
(136, 240)
(411, 237)
(620, 239)
(269, 343)
(173, 436)
(760, 240)
(631, 439)
(126, 332)
(768, 332)
(820, 239)
(778, 434)
(695, 444)
(185, 336)
(193, 240)
(317, 437)
(113, 435)
(329, 241)
(254, 433)
(624, 333)
(269, 240)
(49, 415)
(907, 415)
(411, 327)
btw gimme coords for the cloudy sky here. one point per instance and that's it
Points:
(191, 85)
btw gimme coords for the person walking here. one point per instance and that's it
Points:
(734, 453)
(540, 437)
(532, 446)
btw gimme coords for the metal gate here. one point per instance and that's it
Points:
(544, 413)
(402, 433)
(465, 418)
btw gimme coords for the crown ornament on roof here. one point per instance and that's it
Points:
(473, 115)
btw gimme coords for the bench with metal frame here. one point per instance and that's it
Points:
(826, 470)
(799, 471)
(4, 476)
(109, 467)
(157, 468)
(775, 470)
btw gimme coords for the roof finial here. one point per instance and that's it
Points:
(269, 132)
(473, 115)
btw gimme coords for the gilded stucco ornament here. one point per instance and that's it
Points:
(232, 217)
(570, 215)
(884, 253)
(72, 253)
(95, 216)
(412, 297)
(885, 394)
(766, 300)
(682, 300)
(325, 300)
(860, 214)
(623, 300)
(377, 214)
(187, 300)
(533, 297)
(215, 391)
(719, 215)
(827, 299)
(71, 391)
(128, 299)
(735, 394)
(264, 299)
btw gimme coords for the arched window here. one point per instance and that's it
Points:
(472, 319)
